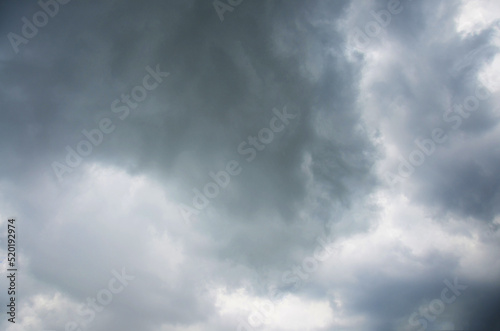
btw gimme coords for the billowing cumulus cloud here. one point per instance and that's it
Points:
(251, 165)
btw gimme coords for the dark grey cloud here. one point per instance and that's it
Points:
(322, 175)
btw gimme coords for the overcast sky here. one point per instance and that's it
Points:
(248, 165)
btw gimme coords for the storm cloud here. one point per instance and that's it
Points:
(251, 165)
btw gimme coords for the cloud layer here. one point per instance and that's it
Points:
(122, 121)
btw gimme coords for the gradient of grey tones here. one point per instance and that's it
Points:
(224, 80)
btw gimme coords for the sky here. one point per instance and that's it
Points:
(237, 165)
